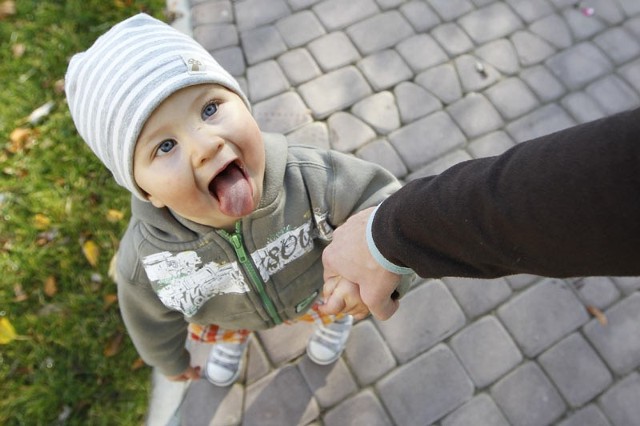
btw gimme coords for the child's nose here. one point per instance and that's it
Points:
(205, 149)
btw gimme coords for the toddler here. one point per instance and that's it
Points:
(228, 223)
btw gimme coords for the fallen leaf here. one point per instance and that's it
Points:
(7, 332)
(18, 139)
(41, 112)
(114, 345)
(113, 266)
(18, 50)
(50, 286)
(91, 252)
(7, 8)
(137, 364)
(41, 221)
(598, 314)
(114, 215)
(21, 296)
(109, 300)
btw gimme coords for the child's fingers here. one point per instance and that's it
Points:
(332, 305)
(329, 286)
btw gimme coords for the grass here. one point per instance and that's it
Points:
(71, 362)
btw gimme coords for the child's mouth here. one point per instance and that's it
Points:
(232, 189)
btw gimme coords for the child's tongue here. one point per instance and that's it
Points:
(233, 192)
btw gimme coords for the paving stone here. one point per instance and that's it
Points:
(301, 4)
(486, 351)
(384, 69)
(613, 94)
(630, 7)
(389, 4)
(588, 416)
(414, 101)
(490, 22)
(347, 132)
(338, 14)
(619, 341)
(216, 36)
(426, 139)
(500, 54)
(284, 343)
(367, 354)
(597, 291)
(261, 44)
(582, 107)
(329, 384)
(381, 152)
(421, 52)
(527, 397)
(282, 114)
(368, 38)
(531, 11)
(442, 81)
(627, 284)
(231, 59)
(257, 365)
(494, 143)
(579, 65)
(361, 409)
(553, 29)
(620, 403)
(206, 404)
(473, 80)
(618, 44)
(333, 51)
(475, 115)
(545, 85)
(407, 398)
(631, 73)
(212, 12)
(521, 281)
(543, 121)
(633, 26)
(608, 11)
(300, 28)
(379, 111)
(563, 4)
(256, 13)
(512, 98)
(576, 370)
(478, 296)
(530, 48)
(299, 66)
(542, 315)
(452, 39)
(280, 398)
(440, 165)
(480, 411)
(451, 9)
(265, 80)
(314, 134)
(334, 91)
(429, 315)
(421, 16)
(582, 27)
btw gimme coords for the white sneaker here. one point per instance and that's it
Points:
(328, 342)
(224, 363)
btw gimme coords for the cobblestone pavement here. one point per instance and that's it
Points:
(417, 86)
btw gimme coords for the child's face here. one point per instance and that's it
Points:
(201, 154)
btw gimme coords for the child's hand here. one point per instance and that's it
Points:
(191, 373)
(342, 296)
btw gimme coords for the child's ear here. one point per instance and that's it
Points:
(156, 203)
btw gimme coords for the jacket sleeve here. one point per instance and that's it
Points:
(566, 204)
(158, 333)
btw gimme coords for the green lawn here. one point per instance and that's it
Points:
(71, 362)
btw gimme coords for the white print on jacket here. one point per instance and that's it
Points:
(183, 286)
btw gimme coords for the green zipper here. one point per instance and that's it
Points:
(236, 242)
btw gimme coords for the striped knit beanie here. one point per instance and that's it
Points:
(114, 86)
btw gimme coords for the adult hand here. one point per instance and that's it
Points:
(191, 373)
(348, 256)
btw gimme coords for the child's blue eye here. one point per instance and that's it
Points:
(166, 146)
(210, 109)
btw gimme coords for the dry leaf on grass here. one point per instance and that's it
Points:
(91, 252)
(114, 345)
(50, 286)
(21, 296)
(7, 332)
(137, 364)
(7, 8)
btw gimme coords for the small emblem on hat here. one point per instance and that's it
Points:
(194, 65)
